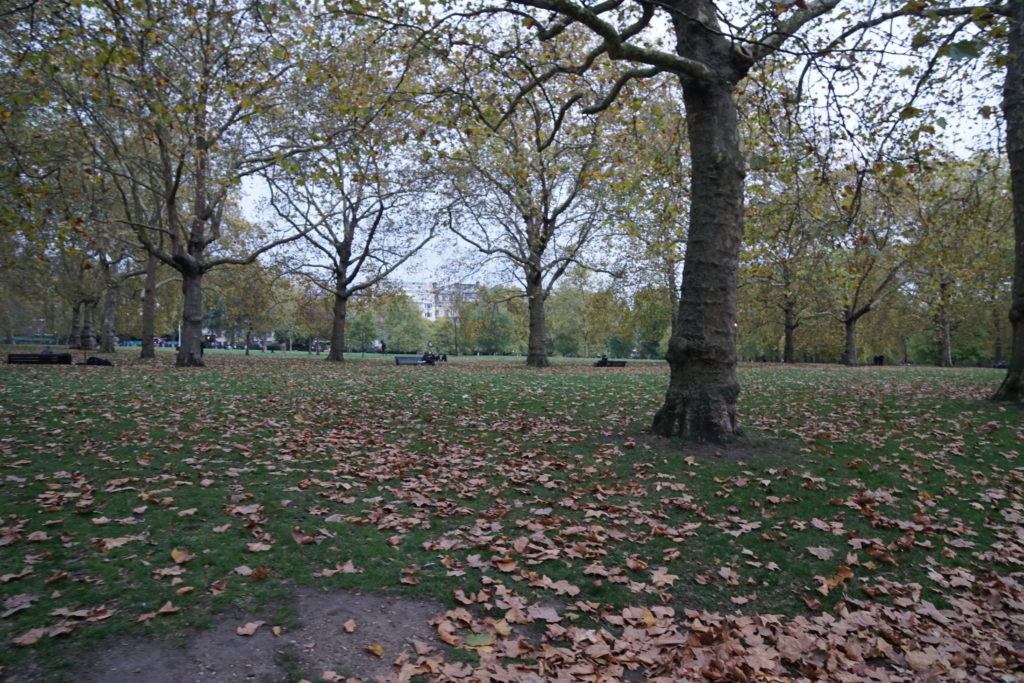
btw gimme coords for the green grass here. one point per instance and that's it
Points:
(449, 475)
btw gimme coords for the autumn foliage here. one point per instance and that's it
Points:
(869, 528)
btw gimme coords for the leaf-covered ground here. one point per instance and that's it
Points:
(870, 529)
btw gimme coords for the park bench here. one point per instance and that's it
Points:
(409, 360)
(610, 364)
(39, 358)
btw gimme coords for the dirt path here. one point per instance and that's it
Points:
(320, 644)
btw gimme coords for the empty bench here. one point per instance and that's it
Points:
(39, 358)
(409, 360)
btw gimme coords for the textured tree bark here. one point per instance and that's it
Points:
(190, 351)
(944, 341)
(850, 344)
(88, 340)
(997, 334)
(337, 353)
(149, 308)
(1012, 388)
(790, 324)
(537, 354)
(109, 310)
(75, 335)
(700, 403)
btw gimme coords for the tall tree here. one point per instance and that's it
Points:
(187, 77)
(959, 220)
(360, 195)
(650, 189)
(711, 55)
(1012, 388)
(527, 178)
(865, 239)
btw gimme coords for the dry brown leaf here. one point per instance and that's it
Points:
(182, 556)
(168, 608)
(29, 637)
(250, 628)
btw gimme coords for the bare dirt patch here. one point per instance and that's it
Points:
(386, 624)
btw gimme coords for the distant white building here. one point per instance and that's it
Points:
(438, 301)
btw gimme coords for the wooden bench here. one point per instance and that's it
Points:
(39, 358)
(610, 364)
(409, 360)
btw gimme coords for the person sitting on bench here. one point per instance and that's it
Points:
(602, 361)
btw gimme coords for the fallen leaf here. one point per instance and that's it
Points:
(182, 556)
(479, 640)
(250, 628)
(821, 552)
(29, 637)
(17, 603)
(168, 608)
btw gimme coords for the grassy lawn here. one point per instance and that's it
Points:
(144, 498)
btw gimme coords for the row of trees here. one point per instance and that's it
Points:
(371, 127)
(793, 306)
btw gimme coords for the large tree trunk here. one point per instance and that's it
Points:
(850, 346)
(1012, 388)
(149, 308)
(190, 351)
(537, 354)
(944, 354)
(790, 324)
(338, 329)
(700, 403)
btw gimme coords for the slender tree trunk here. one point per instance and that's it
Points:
(700, 403)
(1012, 388)
(8, 318)
(75, 337)
(149, 308)
(944, 342)
(190, 352)
(248, 339)
(109, 310)
(945, 346)
(790, 324)
(337, 353)
(850, 347)
(537, 354)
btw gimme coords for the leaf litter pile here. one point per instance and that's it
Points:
(870, 528)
